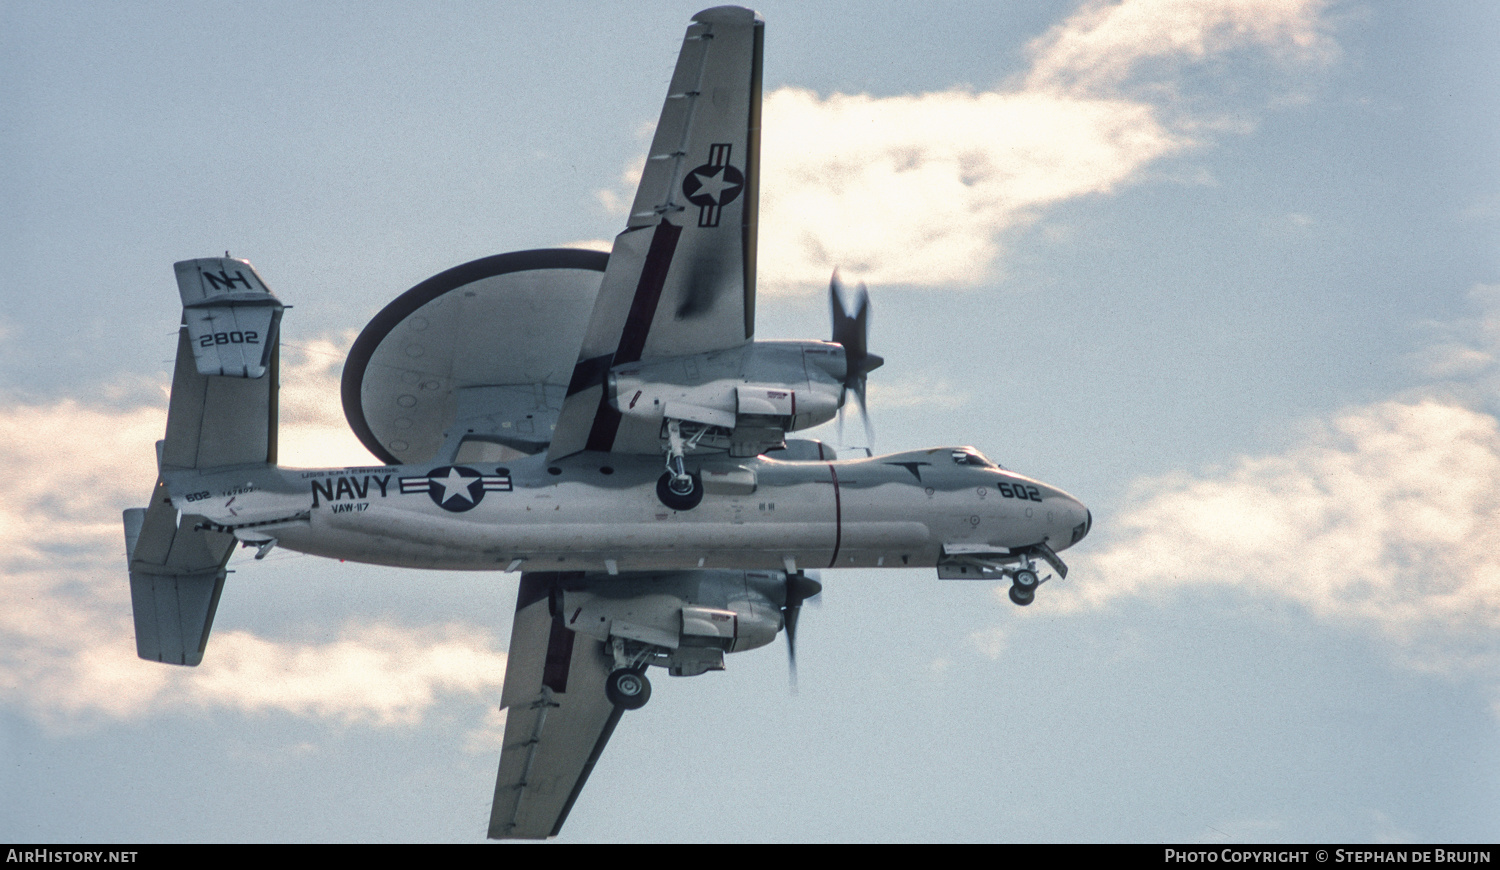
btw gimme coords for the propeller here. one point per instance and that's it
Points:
(799, 588)
(852, 330)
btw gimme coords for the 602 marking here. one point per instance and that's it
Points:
(1016, 490)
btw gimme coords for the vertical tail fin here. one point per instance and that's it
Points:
(223, 408)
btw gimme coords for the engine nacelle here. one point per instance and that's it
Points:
(748, 397)
(685, 612)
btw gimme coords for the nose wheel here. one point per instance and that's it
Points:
(1023, 584)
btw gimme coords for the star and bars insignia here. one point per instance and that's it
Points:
(713, 185)
(456, 487)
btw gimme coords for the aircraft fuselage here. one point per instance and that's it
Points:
(599, 512)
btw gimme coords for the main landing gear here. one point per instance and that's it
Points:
(676, 488)
(679, 501)
(627, 688)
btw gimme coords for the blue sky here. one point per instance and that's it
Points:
(1224, 270)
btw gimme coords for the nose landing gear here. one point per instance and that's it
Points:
(1018, 566)
(1023, 584)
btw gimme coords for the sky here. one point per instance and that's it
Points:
(1225, 270)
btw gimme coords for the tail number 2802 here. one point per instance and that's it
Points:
(247, 337)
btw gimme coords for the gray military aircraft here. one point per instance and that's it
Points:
(603, 423)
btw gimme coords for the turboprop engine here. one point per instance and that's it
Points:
(744, 399)
(683, 620)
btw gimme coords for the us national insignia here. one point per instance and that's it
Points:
(456, 487)
(713, 185)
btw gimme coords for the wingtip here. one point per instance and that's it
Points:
(729, 15)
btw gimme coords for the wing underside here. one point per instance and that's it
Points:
(681, 277)
(558, 718)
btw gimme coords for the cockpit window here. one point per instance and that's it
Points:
(970, 456)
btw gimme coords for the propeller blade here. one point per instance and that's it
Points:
(790, 614)
(864, 414)
(799, 588)
(852, 331)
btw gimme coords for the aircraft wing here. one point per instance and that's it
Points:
(558, 718)
(681, 277)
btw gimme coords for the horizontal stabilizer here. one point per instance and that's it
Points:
(231, 317)
(173, 614)
(176, 576)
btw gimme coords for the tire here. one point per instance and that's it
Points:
(679, 501)
(1022, 595)
(627, 689)
(1025, 579)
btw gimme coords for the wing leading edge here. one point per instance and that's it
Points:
(681, 277)
(558, 718)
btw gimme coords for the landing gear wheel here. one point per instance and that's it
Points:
(1022, 595)
(678, 501)
(628, 689)
(1026, 579)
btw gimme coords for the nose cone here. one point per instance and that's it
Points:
(1079, 518)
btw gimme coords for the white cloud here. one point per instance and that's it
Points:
(1105, 45)
(1467, 351)
(917, 391)
(990, 642)
(379, 673)
(313, 431)
(67, 649)
(1387, 521)
(920, 189)
(917, 189)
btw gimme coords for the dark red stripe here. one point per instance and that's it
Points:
(637, 327)
(648, 292)
(838, 517)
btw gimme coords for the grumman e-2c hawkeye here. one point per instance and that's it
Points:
(603, 423)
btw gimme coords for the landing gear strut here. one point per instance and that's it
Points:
(676, 488)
